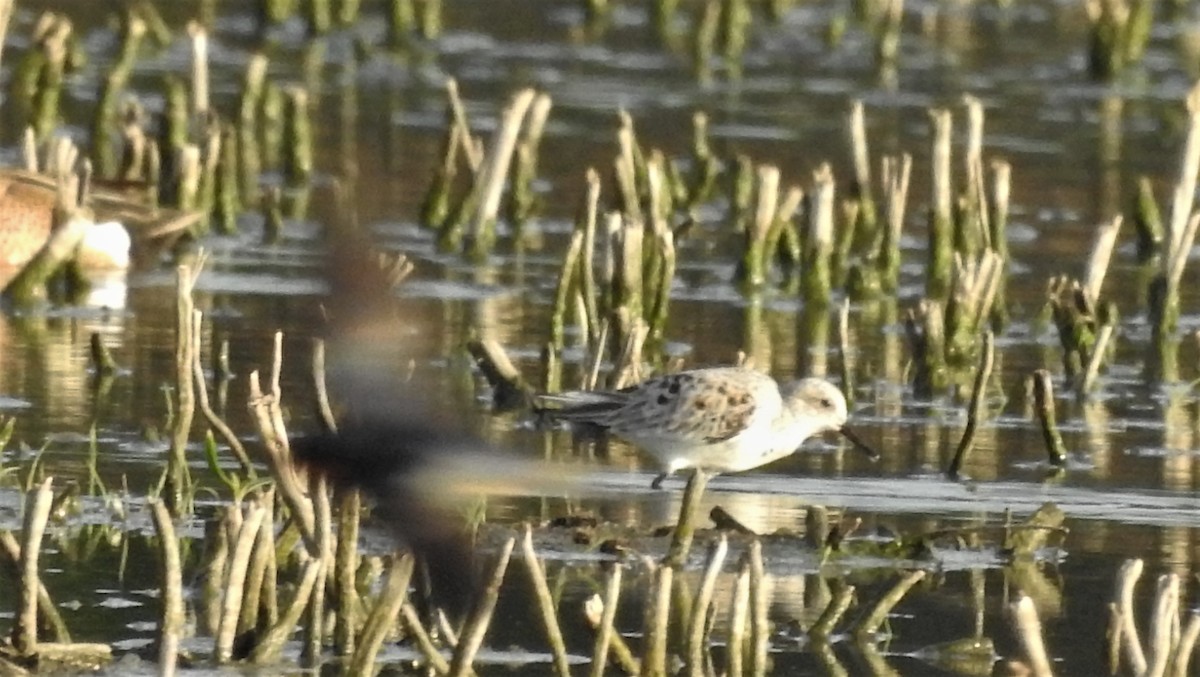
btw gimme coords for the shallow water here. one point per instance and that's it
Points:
(1076, 148)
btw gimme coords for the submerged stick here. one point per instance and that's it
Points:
(760, 627)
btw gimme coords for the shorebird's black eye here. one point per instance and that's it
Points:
(826, 403)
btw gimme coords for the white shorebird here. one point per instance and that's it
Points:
(715, 419)
(710, 420)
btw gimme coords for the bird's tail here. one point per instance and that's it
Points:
(578, 405)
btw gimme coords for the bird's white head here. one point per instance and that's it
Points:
(816, 400)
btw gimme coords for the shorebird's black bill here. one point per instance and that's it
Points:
(859, 444)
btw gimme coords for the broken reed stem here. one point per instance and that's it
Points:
(587, 273)
(266, 411)
(861, 190)
(261, 556)
(1043, 393)
(843, 336)
(657, 615)
(476, 625)
(752, 270)
(878, 614)
(320, 389)
(1127, 578)
(818, 280)
(1162, 621)
(1098, 261)
(537, 576)
(345, 566)
(941, 217)
(566, 277)
(606, 636)
(234, 581)
(697, 621)
(271, 644)
(210, 415)
(999, 203)
(1029, 631)
(383, 616)
(1099, 349)
(760, 627)
(735, 646)
(492, 175)
(825, 623)
(33, 527)
(976, 196)
(1183, 195)
(975, 409)
(170, 626)
(199, 39)
(416, 630)
(1187, 641)
(314, 629)
(897, 172)
(472, 148)
(47, 610)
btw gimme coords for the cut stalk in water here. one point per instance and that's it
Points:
(823, 627)
(752, 269)
(494, 172)
(1147, 220)
(33, 527)
(760, 627)
(383, 616)
(199, 44)
(975, 409)
(606, 636)
(416, 629)
(271, 644)
(860, 188)
(297, 135)
(1102, 249)
(537, 575)
(697, 620)
(941, 218)
(509, 389)
(681, 537)
(657, 614)
(476, 625)
(896, 174)
(1043, 392)
(1029, 631)
(870, 623)
(170, 626)
(735, 646)
(818, 244)
(234, 582)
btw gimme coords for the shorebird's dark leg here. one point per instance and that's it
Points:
(681, 539)
(657, 483)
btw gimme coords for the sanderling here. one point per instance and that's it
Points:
(715, 419)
